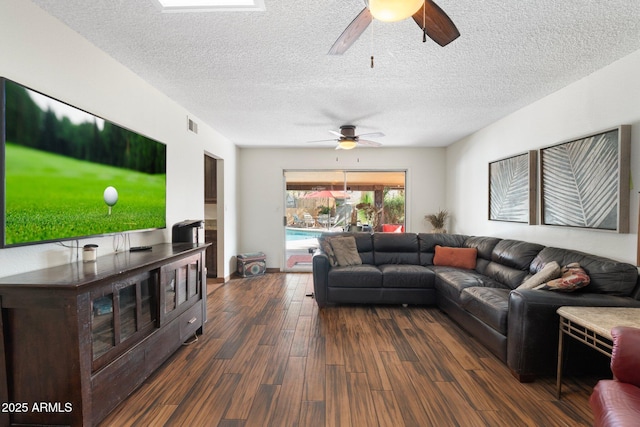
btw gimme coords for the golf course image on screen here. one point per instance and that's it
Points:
(52, 197)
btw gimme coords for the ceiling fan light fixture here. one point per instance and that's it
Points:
(347, 144)
(394, 10)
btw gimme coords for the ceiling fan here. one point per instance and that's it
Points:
(347, 138)
(432, 20)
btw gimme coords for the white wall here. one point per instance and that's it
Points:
(605, 99)
(42, 53)
(261, 184)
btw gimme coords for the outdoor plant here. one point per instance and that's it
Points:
(324, 210)
(370, 212)
(394, 208)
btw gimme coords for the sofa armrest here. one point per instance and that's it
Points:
(625, 364)
(616, 402)
(532, 343)
(321, 267)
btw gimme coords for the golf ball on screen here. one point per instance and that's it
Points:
(110, 196)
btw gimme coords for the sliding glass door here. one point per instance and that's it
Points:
(318, 201)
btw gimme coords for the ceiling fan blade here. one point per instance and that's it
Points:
(372, 135)
(351, 33)
(338, 134)
(436, 24)
(321, 140)
(368, 143)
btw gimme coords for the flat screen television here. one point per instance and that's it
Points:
(68, 174)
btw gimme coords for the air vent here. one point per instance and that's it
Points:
(191, 125)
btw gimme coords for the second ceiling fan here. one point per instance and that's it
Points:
(432, 20)
(347, 138)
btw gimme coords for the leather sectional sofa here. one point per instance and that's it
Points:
(519, 326)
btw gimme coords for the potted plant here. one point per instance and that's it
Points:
(438, 221)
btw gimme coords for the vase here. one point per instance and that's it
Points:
(439, 230)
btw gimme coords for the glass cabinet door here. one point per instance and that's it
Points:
(182, 275)
(120, 312)
(103, 334)
(193, 279)
(147, 302)
(127, 297)
(182, 284)
(170, 292)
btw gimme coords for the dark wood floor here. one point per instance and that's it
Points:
(270, 357)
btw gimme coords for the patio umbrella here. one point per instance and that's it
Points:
(326, 194)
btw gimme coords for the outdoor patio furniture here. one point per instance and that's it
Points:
(323, 220)
(309, 221)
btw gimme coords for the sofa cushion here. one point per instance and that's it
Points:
(506, 275)
(325, 245)
(450, 281)
(345, 250)
(364, 243)
(455, 257)
(485, 246)
(391, 248)
(428, 241)
(407, 276)
(607, 276)
(573, 278)
(515, 253)
(491, 305)
(550, 271)
(355, 276)
(510, 261)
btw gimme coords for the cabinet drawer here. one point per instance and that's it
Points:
(190, 321)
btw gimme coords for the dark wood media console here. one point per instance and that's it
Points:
(77, 339)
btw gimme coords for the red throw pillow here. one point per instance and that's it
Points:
(456, 257)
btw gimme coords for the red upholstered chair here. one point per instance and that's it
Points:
(617, 402)
(392, 228)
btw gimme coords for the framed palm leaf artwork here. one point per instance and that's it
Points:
(585, 182)
(512, 188)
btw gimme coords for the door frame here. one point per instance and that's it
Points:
(331, 185)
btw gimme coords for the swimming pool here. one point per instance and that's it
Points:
(299, 234)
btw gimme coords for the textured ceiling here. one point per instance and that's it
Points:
(264, 79)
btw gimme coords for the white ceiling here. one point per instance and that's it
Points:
(264, 79)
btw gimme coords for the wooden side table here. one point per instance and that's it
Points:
(592, 326)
